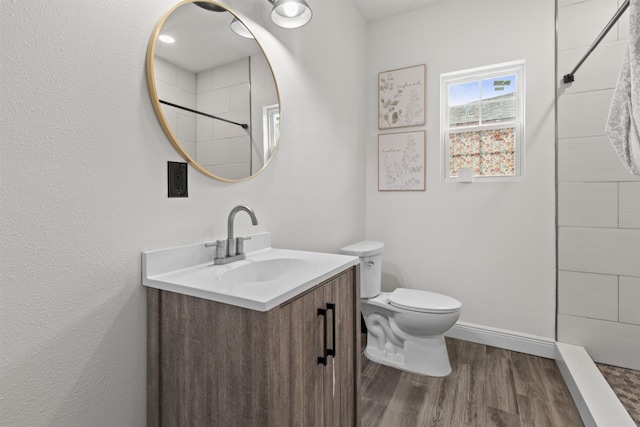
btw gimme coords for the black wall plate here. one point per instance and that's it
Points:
(177, 179)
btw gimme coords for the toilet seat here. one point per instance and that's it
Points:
(423, 301)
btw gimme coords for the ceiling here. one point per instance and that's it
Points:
(204, 40)
(376, 9)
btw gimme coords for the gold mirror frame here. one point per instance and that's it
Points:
(155, 100)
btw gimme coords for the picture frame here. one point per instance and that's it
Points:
(401, 97)
(402, 161)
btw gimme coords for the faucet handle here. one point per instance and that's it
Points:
(221, 248)
(240, 244)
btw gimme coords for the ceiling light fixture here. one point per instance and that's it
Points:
(210, 6)
(290, 13)
(166, 38)
(240, 29)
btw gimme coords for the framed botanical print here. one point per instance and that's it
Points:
(401, 97)
(401, 161)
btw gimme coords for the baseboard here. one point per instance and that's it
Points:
(596, 402)
(509, 340)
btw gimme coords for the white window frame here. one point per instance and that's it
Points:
(516, 68)
(270, 129)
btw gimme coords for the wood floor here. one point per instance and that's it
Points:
(487, 387)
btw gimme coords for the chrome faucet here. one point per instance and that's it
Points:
(232, 249)
(234, 244)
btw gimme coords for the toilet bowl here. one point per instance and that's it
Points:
(405, 328)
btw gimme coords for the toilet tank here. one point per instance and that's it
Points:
(370, 254)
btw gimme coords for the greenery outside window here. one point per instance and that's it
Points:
(482, 128)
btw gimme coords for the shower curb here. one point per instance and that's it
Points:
(597, 404)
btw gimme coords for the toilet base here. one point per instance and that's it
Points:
(425, 356)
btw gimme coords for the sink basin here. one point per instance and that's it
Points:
(267, 278)
(264, 270)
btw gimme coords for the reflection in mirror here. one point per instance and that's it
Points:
(213, 91)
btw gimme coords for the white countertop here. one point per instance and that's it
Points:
(189, 270)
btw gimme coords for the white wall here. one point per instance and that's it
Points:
(490, 245)
(598, 199)
(83, 191)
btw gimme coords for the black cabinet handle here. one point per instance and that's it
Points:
(332, 351)
(328, 351)
(323, 359)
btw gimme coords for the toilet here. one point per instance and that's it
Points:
(405, 328)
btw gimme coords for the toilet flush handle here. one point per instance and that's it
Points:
(369, 263)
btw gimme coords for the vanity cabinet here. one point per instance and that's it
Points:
(214, 364)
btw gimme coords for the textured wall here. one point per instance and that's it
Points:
(490, 245)
(83, 191)
(598, 199)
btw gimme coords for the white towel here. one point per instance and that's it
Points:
(623, 124)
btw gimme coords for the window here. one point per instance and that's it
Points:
(270, 129)
(483, 122)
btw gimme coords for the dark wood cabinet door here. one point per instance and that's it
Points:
(340, 391)
(307, 399)
(325, 395)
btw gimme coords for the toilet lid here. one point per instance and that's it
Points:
(423, 301)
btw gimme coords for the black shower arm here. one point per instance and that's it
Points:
(568, 78)
(242, 125)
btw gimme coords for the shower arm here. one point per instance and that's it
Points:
(568, 78)
(242, 125)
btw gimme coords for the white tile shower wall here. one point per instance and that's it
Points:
(579, 21)
(599, 250)
(629, 205)
(588, 204)
(583, 114)
(231, 74)
(178, 86)
(223, 148)
(588, 295)
(599, 74)
(629, 297)
(590, 159)
(598, 199)
(613, 343)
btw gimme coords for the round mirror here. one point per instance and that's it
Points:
(213, 90)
